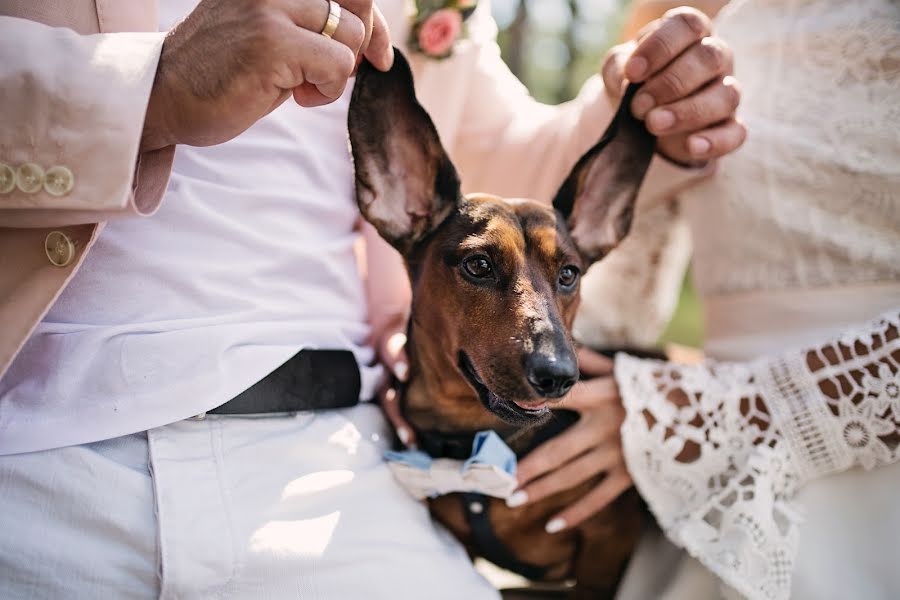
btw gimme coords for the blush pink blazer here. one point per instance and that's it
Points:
(74, 84)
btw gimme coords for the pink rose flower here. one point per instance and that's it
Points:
(439, 31)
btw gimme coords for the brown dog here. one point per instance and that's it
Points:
(495, 288)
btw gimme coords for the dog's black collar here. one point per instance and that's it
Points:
(476, 507)
(458, 446)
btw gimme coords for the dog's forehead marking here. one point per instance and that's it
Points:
(517, 226)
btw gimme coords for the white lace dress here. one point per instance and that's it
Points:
(771, 464)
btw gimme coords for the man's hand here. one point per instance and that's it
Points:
(689, 97)
(232, 62)
(589, 447)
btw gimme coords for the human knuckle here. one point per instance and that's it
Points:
(690, 112)
(673, 84)
(357, 35)
(732, 96)
(712, 55)
(695, 21)
(742, 133)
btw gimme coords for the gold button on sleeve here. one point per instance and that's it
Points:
(30, 178)
(59, 248)
(7, 178)
(59, 181)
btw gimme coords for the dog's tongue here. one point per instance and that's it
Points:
(534, 407)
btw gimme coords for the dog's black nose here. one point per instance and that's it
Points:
(551, 376)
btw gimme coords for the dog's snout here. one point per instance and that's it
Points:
(552, 375)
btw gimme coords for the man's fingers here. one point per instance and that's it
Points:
(380, 52)
(710, 143)
(593, 363)
(319, 61)
(609, 489)
(569, 475)
(308, 95)
(312, 15)
(364, 10)
(696, 67)
(713, 104)
(677, 30)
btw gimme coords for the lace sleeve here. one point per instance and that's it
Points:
(719, 449)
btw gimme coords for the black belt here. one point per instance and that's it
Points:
(309, 380)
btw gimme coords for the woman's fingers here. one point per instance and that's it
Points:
(390, 403)
(591, 463)
(593, 363)
(590, 394)
(675, 32)
(701, 63)
(613, 69)
(612, 486)
(586, 434)
(713, 104)
(710, 143)
(393, 356)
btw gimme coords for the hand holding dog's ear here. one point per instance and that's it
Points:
(689, 98)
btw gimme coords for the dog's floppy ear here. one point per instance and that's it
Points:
(405, 183)
(597, 198)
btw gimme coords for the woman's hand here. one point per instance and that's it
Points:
(588, 448)
(392, 351)
(689, 98)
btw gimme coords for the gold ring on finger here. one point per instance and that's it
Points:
(334, 19)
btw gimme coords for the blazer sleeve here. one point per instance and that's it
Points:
(71, 124)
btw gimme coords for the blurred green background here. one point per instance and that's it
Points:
(553, 46)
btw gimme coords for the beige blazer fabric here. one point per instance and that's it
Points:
(75, 80)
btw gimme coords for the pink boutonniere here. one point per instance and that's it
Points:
(438, 24)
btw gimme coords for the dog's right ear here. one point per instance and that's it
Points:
(405, 183)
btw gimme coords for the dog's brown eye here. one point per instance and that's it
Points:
(478, 267)
(568, 275)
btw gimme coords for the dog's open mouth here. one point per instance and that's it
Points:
(510, 411)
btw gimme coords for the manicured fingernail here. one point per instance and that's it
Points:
(698, 146)
(403, 434)
(517, 499)
(555, 525)
(636, 68)
(660, 119)
(401, 370)
(642, 104)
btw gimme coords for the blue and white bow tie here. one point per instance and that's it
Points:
(490, 470)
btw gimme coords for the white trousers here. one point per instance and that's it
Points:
(298, 506)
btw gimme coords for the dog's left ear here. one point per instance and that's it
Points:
(405, 183)
(597, 198)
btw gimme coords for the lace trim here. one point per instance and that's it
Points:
(718, 450)
(812, 434)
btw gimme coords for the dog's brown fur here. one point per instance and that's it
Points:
(471, 338)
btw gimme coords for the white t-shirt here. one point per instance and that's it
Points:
(249, 259)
